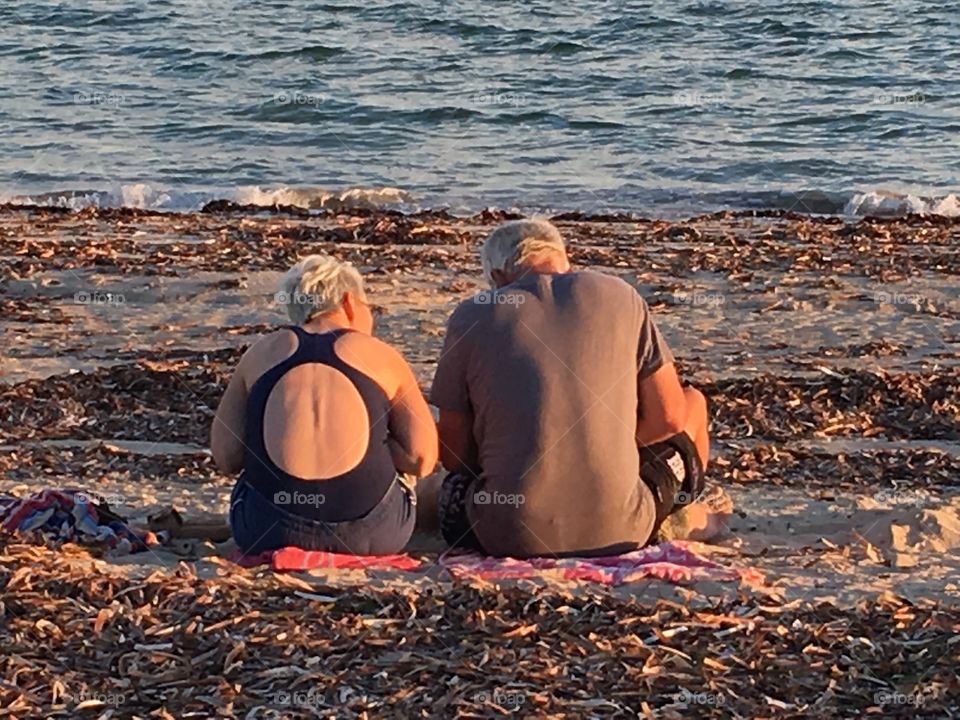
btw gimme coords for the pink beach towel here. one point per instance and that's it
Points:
(674, 562)
(293, 559)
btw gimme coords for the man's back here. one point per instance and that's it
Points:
(549, 369)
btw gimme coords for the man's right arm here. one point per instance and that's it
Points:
(451, 395)
(458, 450)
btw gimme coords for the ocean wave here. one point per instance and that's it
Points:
(880, 202)
(628, 199)
(144, 196)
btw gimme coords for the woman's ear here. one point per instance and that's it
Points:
(349, 306)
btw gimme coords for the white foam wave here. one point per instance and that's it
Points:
(890, 204)
(319, 198)
(144, 196)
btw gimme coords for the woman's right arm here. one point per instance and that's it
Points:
(226, 435)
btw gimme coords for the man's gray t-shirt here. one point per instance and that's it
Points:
(549, 366)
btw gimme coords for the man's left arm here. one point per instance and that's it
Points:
(661, 404)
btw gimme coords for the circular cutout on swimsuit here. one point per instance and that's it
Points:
(316, 425)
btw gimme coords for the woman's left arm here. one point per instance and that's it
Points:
(226, 435)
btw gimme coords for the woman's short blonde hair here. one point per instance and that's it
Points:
(316, 286)
(513, 244)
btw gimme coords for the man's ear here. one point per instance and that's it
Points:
(499, 278)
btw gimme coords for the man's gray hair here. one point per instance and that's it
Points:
(316, 285)
(513, 244)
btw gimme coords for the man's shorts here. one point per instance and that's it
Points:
(671, 469)
(452, 508)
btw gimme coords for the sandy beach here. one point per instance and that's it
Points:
(829, 350)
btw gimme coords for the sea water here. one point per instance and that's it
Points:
(660, 108)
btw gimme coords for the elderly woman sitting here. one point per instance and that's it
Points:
(323, 420)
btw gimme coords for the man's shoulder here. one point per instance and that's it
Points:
(471, 310)
(599, 285)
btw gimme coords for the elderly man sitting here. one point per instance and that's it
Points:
(322, 418)
(563, 423)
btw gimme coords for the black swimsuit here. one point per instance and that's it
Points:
(345, 497)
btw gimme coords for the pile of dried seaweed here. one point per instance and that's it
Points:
(852, 402)
(159, 402)
(737, 247)
(173, 401)
(173, 645)
(861, 472)
(37, 464)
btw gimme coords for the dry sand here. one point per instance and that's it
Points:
(758, 313)
(829, 352)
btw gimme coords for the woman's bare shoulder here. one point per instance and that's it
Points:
(266, 351)
(375, 358)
